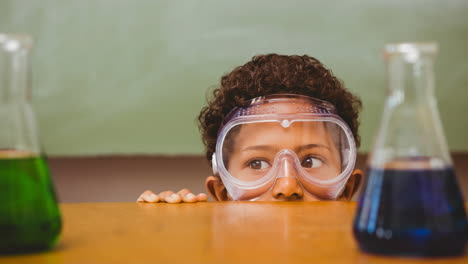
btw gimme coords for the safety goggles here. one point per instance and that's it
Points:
(284, 135)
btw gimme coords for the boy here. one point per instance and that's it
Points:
(279, 128)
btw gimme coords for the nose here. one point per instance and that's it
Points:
(287, 189)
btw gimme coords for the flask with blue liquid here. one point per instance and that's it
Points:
(411, 203)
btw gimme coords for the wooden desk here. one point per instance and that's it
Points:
(317, 232)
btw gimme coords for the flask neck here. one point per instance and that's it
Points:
(15, 70)
(18, 133)
(410, 80)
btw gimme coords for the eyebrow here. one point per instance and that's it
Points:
(312, 146)
(259, 147)
(299, 149)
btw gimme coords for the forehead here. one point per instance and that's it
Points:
(272, 133)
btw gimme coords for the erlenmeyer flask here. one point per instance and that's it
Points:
(411, 203)
(29, 216)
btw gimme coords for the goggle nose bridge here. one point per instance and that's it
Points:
(285, 162)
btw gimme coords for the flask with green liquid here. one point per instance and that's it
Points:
(29, 215)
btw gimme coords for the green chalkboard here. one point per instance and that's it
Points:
(130, 76)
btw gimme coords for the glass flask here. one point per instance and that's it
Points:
(29, 215)
(411, 203)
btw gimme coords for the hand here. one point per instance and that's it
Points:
(183, 196)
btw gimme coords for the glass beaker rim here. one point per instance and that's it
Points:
(15, 42)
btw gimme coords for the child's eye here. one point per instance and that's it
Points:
(258, 164)
(311, 162)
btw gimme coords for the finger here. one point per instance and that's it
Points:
(174, 198)
(189, 198)
(148, 196)
(183, 192)
(151, 198)
(141, 197)
(202, 197)
(164, 195)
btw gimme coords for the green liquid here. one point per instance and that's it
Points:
(29, 215)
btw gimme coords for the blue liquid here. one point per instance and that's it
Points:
(411, 212)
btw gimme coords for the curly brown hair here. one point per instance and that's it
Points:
(272, 74)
